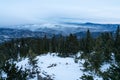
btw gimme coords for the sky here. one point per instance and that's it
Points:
(14, 12)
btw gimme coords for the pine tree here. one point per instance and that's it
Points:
(117, 44)
(117, 37)
(113, 73)
(54, 44)
(32, 56)
(88, 42)
(107, 45)
(71, 45)
(13, 73)
(61, 45)
(45, 44)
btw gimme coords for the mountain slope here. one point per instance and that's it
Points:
(64, 28)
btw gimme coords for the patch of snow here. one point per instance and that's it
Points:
(65, 68)
(105, 66)
(56, 67)
(113, 58)
(97, 78)
(23, 63)
(3, 74)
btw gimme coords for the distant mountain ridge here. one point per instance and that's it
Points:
(64, 28)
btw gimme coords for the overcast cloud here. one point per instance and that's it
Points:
(14, 12)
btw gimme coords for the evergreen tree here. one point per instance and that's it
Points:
(61, 45)
(54, 43)
(32, 56)
(13, 73)
(88, 42)
(117, 44)
(45, 44)
(23, 47)
(107, 45)
(113, 73)
(71, 44)
(117, 37)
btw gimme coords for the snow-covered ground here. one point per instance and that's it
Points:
(56, 67)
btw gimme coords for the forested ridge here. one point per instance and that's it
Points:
(95, 51)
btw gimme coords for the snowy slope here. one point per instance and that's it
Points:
(56, 67)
